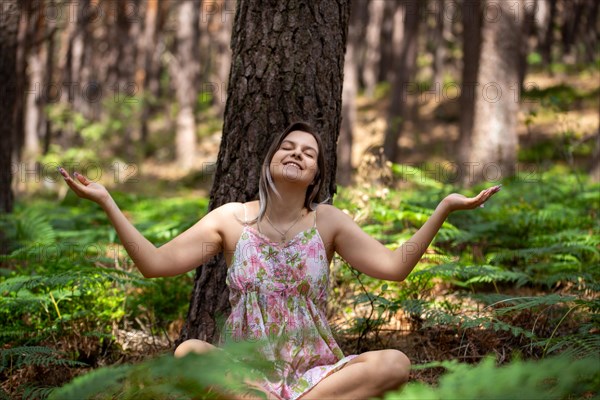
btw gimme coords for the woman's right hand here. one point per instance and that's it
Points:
(85, 188)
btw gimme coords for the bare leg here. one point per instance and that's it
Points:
(193, 346)
(199, 347)
(368, 375)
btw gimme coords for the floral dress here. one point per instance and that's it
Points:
(278, 292)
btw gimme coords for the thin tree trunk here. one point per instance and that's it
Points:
(572, 15)
(439, 45)
(349, 92)
(472, 18)
(9, 25)
(492, 149)
(402, 80)
(221, 38)
(548, 39)
(590, 32)
(49, 80)
(293, 72)
(146, 49)
(184, 70)
(33, 112)
(372, 47)
(595, 162)
(388, 28)
(528, 26)
(20, 79)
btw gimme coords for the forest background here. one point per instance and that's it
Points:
(438, 96)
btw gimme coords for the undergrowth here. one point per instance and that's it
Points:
(516, 281)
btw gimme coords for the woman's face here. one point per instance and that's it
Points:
(296, 158)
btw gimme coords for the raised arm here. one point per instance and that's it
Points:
(183, 253)
(369, 256)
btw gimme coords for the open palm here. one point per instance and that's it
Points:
(85, 188)
(456, 201)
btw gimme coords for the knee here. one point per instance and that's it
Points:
(393, 367)
(193, 346)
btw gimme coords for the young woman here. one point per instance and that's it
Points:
(278, 250)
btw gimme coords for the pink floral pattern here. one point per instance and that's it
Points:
(279, 293)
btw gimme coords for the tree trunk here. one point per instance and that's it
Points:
(402, 79)
(33, 111)
(20, 78)
(547, 40)
(471, 11)
(528, 26)
(49, 80)
(146, 48)
(589, 32)
(287, 60)
(184, 69)
(9, 22)
(349, 92)
(217, 22)
(572, 14)
(439, 45)
(386, 57)
(372, 47)
(491, 150)
(594, 168)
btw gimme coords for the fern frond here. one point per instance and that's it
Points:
(551, 378)
(18, 357)
(31, 226)
(529, 302)
(36, 392)
(469, 274)
(76, 276)
(575, 346)
(106, 381)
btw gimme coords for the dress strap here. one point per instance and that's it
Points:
(315, 222)
(245, 215)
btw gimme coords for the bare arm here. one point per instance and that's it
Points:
(369, 256)
(184, 253)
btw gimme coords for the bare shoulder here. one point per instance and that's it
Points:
(331, 220)
(331, 214)
(229, 214)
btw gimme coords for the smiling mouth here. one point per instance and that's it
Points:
(292, 163)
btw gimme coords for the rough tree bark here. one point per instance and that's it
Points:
(287, 60)
(9, 20)
(489, 152)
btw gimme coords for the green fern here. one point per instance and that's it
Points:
(18, 357)
(552, 378)
(36, 392)
(167, 377)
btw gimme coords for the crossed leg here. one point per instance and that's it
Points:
(369, 375)
(199, 347)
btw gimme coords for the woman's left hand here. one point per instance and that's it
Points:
(455, 201)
